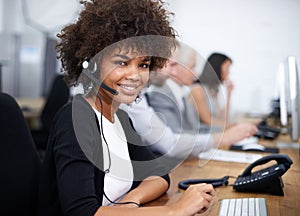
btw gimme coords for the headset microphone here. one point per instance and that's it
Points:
(110, 90)
(91, 77)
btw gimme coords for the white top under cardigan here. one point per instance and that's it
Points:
(120, 177)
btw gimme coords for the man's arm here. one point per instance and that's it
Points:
(160, 137)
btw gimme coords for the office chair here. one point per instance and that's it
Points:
(58, 95)
(19, 161)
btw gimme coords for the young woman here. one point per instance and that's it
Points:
(205, 94)
(95, 163)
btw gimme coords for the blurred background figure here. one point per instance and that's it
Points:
(167, 122)
(211, 93)
(153, 128)
(169, 99)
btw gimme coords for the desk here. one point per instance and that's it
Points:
(31, 108)
(288, 205)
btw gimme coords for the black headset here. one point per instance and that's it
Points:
(89, 73)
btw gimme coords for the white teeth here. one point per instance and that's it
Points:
(128, 87)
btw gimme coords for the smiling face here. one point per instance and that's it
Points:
(126, 73)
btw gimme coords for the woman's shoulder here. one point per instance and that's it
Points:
(63, 114)
(76, 118)
(76, 130)
(197, 90)
(78, 106)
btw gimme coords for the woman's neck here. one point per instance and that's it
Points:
(107, 107)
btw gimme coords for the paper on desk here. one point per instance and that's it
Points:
(229, 156)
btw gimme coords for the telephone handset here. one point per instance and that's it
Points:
(267, 180)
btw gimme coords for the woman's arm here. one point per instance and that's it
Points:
(198, 98)
(234, 134)
(149, 189)
(160, 136)
(224, 113)
(196, 199)
(74, 172)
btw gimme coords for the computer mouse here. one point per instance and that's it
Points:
(253, 147)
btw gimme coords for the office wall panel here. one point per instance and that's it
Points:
(256, 34)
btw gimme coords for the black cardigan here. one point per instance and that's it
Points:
(72, 179)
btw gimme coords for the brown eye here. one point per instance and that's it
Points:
(120, 63)
(144, 65)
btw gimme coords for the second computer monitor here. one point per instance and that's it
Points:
(283, 95)
(293, 98)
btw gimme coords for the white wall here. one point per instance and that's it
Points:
(1, 12)
(256, 34)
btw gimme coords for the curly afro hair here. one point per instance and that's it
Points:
(105, 22)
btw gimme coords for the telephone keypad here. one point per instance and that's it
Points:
(266, 180)
(258, 175)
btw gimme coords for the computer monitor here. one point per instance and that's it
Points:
(283, 91)
(294, 98)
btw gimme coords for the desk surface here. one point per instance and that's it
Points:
(31, 108)
(34, 104)
(288, 205)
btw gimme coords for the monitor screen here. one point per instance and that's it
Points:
(294, 98)
(283, 95)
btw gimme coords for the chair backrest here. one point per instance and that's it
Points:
(58, 96)
(19, 161)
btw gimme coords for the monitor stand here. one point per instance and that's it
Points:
(284, 130)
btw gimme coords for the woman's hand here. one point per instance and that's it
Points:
(196, 199)
(238, 132)
(229, 86)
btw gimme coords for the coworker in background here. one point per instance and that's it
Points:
(163, 136)
(94, 160)
(205, 94)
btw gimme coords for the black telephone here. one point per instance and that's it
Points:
(267, 180)
(266, 131)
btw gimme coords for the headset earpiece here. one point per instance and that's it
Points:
(90, 74)
(85, 64)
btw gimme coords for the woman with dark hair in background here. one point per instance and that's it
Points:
(95, 163)
(205, 93)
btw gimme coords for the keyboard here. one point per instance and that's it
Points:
(229, 156)
(243, 207)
